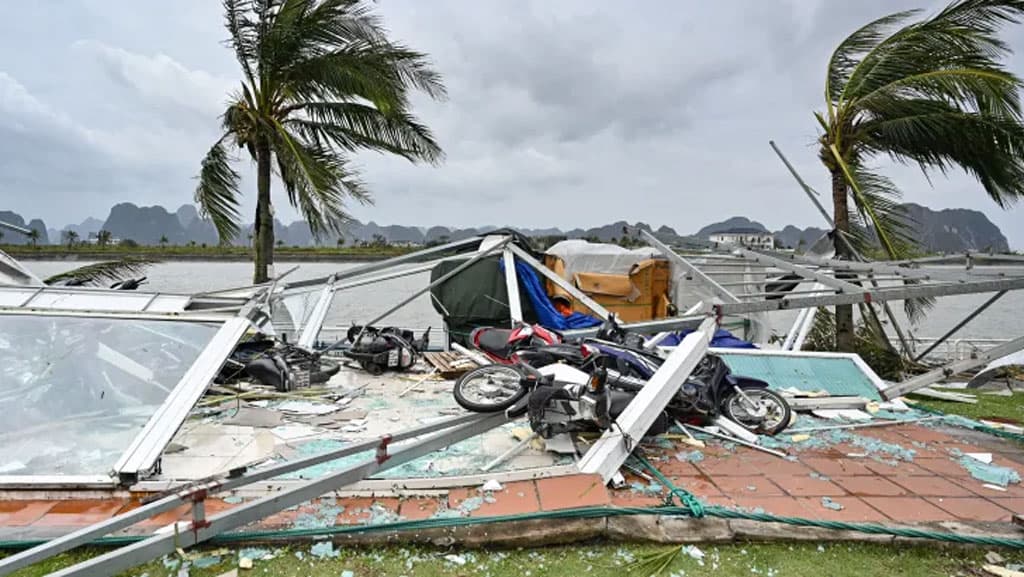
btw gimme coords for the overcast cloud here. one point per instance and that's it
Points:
(568, 113)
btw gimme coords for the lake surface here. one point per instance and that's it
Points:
(1003, 319)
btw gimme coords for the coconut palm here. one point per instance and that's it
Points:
(70, 237)
(103, 237)
(320, 81)
(932, 92)
(33, 236)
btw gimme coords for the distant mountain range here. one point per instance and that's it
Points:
(949, 230)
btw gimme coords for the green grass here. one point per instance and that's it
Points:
(742, 559)
(988, 406)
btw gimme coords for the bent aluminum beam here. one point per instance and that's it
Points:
(515, 306)
(387, 263)
(146, 448)
(161, 544)
(698, 274)
(646, 327)
(182, 495)
(896, 293)
(829, 281)
(961, 324)
(561, 282)
(611, 450)
(934, 376)
(311, 329)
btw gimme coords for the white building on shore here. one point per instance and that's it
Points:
(748, 237)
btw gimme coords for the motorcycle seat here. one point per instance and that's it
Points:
(494, 341)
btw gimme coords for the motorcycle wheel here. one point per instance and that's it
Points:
(489, 389)
(777, 417)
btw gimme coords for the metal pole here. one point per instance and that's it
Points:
(561, 282)
(811, 193)
(936, 375)
(804, 272)
(182, 495)
(515, 305)
(151, 548)
(715, 288)
(960, 324)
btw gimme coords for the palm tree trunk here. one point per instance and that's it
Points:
(844, 313)
(264, 225)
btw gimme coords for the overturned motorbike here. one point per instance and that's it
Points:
(378, 350)
(710, 391)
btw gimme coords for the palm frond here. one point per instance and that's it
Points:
(855, 51)
(243, 35)
(102, 273)
(352, 126)
(318, 181)
(217, 191)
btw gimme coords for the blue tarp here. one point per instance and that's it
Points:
(723, 339)
(547, 315)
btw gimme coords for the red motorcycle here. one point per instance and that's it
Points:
(501, 345)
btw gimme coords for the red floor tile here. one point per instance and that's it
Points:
(572, 491)
(515, 497)
(874, 486)
(628, 498)
(837, 467)
(358, 509)
(699, 486)
(759, 486)
(419, 508)
(854, 510)
(674, 467)
(163, 519)
(900, 469)
(806, 486)
(943, 466)
(908, 509)
(80, 512)
(19, 513)
(926, 435)
(972, 509)
(737, 466)
(783, 506)
(1012, 504)
(933, 486)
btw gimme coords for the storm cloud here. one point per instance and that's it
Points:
(569, 113)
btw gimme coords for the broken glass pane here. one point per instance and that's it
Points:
(75, 391)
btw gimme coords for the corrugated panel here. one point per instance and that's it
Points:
(838, 376)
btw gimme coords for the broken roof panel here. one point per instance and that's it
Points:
(75, 391)
(93, 398)
(840, 374)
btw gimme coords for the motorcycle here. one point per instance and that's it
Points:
(377, 350)
(502, 345)
(710, 391)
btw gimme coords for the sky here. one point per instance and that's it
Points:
(565, 114)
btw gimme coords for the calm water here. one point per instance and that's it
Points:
(1001, 320)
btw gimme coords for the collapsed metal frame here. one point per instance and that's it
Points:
(201, 528)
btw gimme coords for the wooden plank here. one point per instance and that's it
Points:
(450, 365)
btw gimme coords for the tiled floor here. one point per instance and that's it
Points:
(814, 482)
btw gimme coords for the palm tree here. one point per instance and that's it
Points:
(33, 236)
(163, 240)
(320, 80)
(103, 237)
(70, 237)
(932, 92)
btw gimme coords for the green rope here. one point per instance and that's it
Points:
(687, 499)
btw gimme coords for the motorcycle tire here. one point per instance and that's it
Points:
(733, 410)
(471, 402)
